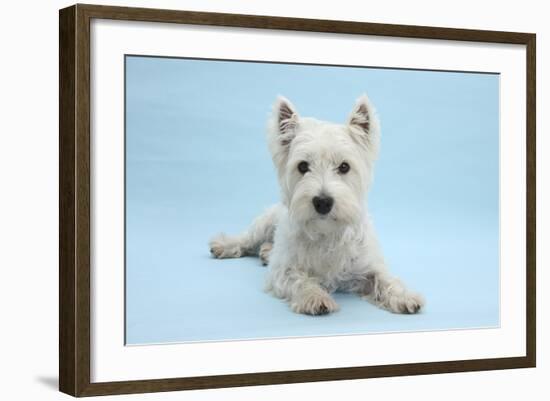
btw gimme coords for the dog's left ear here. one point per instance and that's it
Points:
(364, 126)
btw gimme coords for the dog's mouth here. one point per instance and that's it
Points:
(325, 217)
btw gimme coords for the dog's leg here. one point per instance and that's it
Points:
(303, 292)
(249, 243)
(265, 250)
(388, 292)
(312, 299)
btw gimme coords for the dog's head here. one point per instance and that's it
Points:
(324, 169)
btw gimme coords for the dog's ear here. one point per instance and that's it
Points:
(282, 129)
(286, 119)
(364, 126)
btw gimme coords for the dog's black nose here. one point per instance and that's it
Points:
(323, 204)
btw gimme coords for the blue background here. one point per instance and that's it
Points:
(197, 164)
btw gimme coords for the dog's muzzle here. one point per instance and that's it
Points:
(323, 204)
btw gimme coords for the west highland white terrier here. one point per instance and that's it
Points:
(320, 238)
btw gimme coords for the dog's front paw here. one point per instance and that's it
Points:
(405, 302)
(314, 303)
(222, 247)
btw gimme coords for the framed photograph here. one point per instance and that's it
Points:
(250, 200)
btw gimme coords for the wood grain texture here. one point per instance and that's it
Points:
(531, 202)
(301, 376)
(82, 200)
(67, 130)
(74, 205)
(301, 24)
(74, 199)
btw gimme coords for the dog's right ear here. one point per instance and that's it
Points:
(282, 129)
(286, 119)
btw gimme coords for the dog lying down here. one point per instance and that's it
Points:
(320, 238)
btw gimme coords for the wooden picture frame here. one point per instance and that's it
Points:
(74, 199)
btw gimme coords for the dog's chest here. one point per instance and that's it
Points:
(330, 257)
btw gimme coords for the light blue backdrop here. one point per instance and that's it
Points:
(197, 164)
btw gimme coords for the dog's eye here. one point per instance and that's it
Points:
(343, 168)
(303, 167)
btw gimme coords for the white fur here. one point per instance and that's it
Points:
(310, 255)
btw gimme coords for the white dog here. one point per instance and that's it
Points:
(320, 239)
